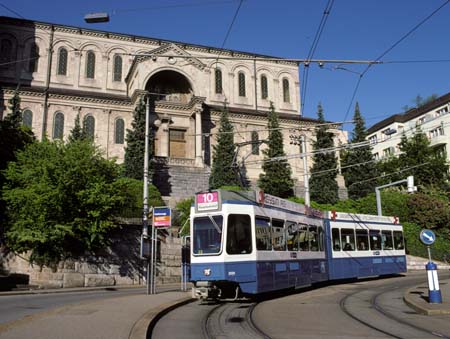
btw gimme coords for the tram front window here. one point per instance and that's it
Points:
(239, 236)
(207, 235)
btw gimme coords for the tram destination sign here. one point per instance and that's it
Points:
(207, 201)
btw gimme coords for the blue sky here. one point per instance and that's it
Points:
(355, 30)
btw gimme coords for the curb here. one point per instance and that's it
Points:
(143, 328)
(70, 290)
(419, 308)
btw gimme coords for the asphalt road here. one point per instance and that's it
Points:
(361, 309)
(16, 307)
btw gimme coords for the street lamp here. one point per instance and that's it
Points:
(93, 18)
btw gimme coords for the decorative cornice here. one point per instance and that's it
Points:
(92, 100)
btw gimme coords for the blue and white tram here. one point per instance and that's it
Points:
(246, 243)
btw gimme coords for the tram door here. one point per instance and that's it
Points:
(185, 261)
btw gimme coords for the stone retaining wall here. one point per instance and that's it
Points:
(119, 265)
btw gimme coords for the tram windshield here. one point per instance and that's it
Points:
(207, 235)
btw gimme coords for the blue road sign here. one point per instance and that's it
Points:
(427, 237)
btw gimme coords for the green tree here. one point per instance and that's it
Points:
(223, 170)
(427, 164)
(358, 165)
(135, 149)
(62, 200)
(77, 133)
(322, 183)
(276, 177)
(13, 137)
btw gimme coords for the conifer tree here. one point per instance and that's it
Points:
(276, 177)
(223, 171)
(357, 164)
(322, 183)
(77, 133)
(135, 149)
(14, 118)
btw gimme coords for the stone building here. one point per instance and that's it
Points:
(63, 71)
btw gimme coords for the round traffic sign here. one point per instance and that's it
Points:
(427, 237)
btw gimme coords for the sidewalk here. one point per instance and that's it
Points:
(112, 318)
(417, 298)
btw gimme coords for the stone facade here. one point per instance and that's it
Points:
(68, 71)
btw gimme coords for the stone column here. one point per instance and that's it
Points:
(198, 138)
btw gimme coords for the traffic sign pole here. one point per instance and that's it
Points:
(427, 237)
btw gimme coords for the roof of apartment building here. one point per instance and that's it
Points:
(410, 114)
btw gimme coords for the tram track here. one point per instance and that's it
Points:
(375, 305)
(232, 320)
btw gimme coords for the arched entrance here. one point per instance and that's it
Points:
(172, 86)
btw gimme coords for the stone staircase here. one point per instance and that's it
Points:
(418, 263)
(179, 182)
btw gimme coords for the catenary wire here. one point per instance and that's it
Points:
(390, 49)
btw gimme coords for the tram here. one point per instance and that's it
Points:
(244, 243)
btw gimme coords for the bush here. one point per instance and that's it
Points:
(183, 208)
(416, 248)
(429, 211)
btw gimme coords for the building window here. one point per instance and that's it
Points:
(90, 65)
(6, 51)
(89, 126)
(117, 68)
(119, 131)
(218, 80)
(255, 143)
(387, 152)
(286, 94)
(27, 118)
(62, 61)
(442, 111)
(376, 156)
(373, 139)
(34, 58)
(436, 132)
(58, 126)
(420, 121)
(264, 89)
(241, 83)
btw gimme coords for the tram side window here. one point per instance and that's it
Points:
(303, 238)
(239, 236)
(292, 235)
(263, 238)
(313, 237)
(348, 239)
(278, 239)
(336, 239)
(386, 239)
(362, 240)
(321, 239)
(398, 240)
(375, 240)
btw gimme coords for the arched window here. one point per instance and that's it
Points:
(90, 65)
(6, 49)
(255, 143)
(27, 118)
(58, 126)
(264, 89)
(62, 61)
(89, 126)
(241, 83)
(117, 74)
(286, 96)
(33, 63)
(218, 78)
(119, 131)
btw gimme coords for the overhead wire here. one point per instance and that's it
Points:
(428, 17)
(313, 48)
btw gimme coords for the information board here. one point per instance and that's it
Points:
(162, 217)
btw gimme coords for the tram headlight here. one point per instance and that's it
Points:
(207, 272)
